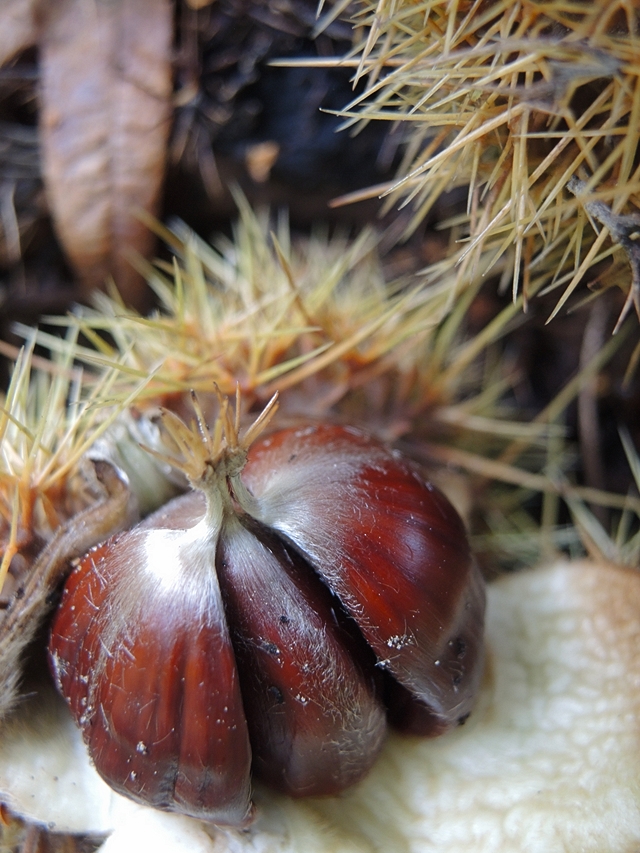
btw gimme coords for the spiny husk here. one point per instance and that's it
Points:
(510, 99)
(316, 321)
(49, 418)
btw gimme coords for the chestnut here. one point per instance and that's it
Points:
(312, 588)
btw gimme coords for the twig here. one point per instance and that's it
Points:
(625, 230)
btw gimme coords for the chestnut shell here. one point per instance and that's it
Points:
(390, 546)
(336, 580)
(137, 670)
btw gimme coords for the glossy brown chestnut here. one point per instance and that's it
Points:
(389, 545)
(143, 656)
(238, 615)
(315, 721)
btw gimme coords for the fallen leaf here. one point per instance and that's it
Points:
(105, 118)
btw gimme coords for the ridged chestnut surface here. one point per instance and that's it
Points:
(261, 622)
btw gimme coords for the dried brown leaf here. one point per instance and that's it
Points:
(106, 108)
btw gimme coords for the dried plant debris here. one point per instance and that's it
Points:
(509, 101)
(105, 84)
(106, 89)
(624, 230)
(108, 82)
(21, 198)
(20, 189)
(239, 117)
(19, 27)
